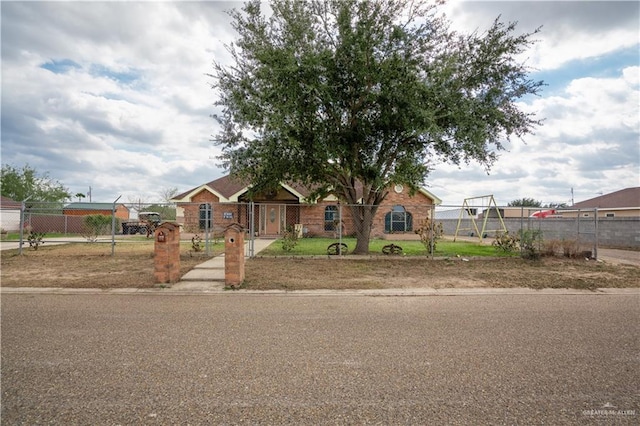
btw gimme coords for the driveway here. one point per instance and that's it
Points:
(628, 257)
(301, 359)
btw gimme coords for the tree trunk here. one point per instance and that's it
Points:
(362, 220)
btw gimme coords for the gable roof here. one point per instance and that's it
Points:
(8, 203)
(228, 189)
(628, 197)
(91, 206)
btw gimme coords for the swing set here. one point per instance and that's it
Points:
(470, 206)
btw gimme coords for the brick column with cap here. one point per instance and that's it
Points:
(234, 255)
(167, 253)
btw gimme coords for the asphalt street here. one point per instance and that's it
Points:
(108, 359)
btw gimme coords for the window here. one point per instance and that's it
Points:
(205, 221)
(398, 220)
(330, 218)
(610, 215)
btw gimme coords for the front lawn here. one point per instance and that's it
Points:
(318, 247)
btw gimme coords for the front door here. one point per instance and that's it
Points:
(272, 219)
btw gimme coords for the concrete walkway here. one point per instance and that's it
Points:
(209, 276)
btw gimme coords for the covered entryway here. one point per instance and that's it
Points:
(270, 219)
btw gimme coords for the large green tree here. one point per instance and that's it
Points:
(20, 184)
(350, 96)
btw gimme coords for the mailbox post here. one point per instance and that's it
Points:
(167, 253)
(234, 255)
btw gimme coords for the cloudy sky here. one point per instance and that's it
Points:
(114, 96)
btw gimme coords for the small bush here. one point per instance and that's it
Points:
(289, 239)
(506, 242)
(196, 243)
(551, 247)
(428, 229)
(530, 243)
(570, 248)
(96, 225)
(35, 239)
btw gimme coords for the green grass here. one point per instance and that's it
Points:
(15, 236)
(318, 247)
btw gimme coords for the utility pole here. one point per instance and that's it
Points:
(572, 196)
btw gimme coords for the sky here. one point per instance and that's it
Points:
(114, 96)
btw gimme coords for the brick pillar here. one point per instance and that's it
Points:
(234, 255)
(167, 253)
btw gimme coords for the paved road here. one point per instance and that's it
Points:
(247, 359)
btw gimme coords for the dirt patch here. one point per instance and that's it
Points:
(92, 266)
(87, 266)
(376, 273)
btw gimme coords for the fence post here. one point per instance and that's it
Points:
(578, 229)
(595, 238)
(22, 210)
(339, 228)
(113, 226)
(521, 227)
(432, 216)
(207, 229)
(252, 230)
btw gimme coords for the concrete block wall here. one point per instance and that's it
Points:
(621, 232)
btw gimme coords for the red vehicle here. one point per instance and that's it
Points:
(542, 214)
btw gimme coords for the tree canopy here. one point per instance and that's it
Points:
(525, 202)
(20, 184)
(351, 96)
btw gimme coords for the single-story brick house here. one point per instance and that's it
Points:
(85, 209)
(225, 200)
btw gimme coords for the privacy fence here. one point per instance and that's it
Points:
(119, 225)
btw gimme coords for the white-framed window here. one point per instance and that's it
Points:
(398, 220)
(205, 217)
(330, 217)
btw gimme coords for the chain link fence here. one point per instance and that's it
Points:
(119, 226)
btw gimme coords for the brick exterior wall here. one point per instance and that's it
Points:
(419, 206)
(311, 216)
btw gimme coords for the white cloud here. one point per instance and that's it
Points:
(570, 30)
(589, 140)
(152, 130)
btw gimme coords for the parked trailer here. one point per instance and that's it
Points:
(146, 224)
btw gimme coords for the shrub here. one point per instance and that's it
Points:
(506, 242)
(289, 239)
(551, 247)
(570, 248)
(97, 224)
(196, 243)
(428, 229)
(35, 239)
(530, 242)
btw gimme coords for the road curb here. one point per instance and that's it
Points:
(378, 293)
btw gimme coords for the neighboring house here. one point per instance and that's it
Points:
(9, 214)
(623, 203)
(466, 213)
(84, 209)
(223, 201)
